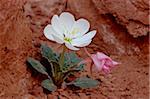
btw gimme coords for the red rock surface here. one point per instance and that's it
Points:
(21, 26)
(132, 14)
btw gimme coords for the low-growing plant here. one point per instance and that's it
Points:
(61, 67)
(65, 65)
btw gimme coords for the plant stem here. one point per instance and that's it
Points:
(62, 56)
(87, 52)
(90, 57)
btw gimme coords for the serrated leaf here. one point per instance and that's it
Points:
(37, 65)
(71, 61)
(53, 59)
(48, 53)
(49, 85)
(85, 82)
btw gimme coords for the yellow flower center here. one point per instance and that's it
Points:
(68, 40)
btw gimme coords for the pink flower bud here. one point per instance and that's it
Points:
(103, 62)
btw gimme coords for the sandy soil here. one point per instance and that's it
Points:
(20, 37)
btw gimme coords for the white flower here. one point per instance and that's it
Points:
(65, 30)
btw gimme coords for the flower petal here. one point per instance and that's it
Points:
(58, 39)
(102, 56)
(108, 62)
(84, 40)
(57, 25)
(81, 27)
(84, 44)
(67, 20)
(71, 46)
(106, 69)
(48, 31)
(96, 62)
(115, 63)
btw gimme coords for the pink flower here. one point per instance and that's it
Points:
(103, 62)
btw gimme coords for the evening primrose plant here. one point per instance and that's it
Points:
(64, 66)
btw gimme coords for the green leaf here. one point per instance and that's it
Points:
(48, 53)
(49, 85)
(71, 62)
(80, 67)
(71, 58)
(37, 65)
(85, 82)
(74, 58)
(68, 73)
